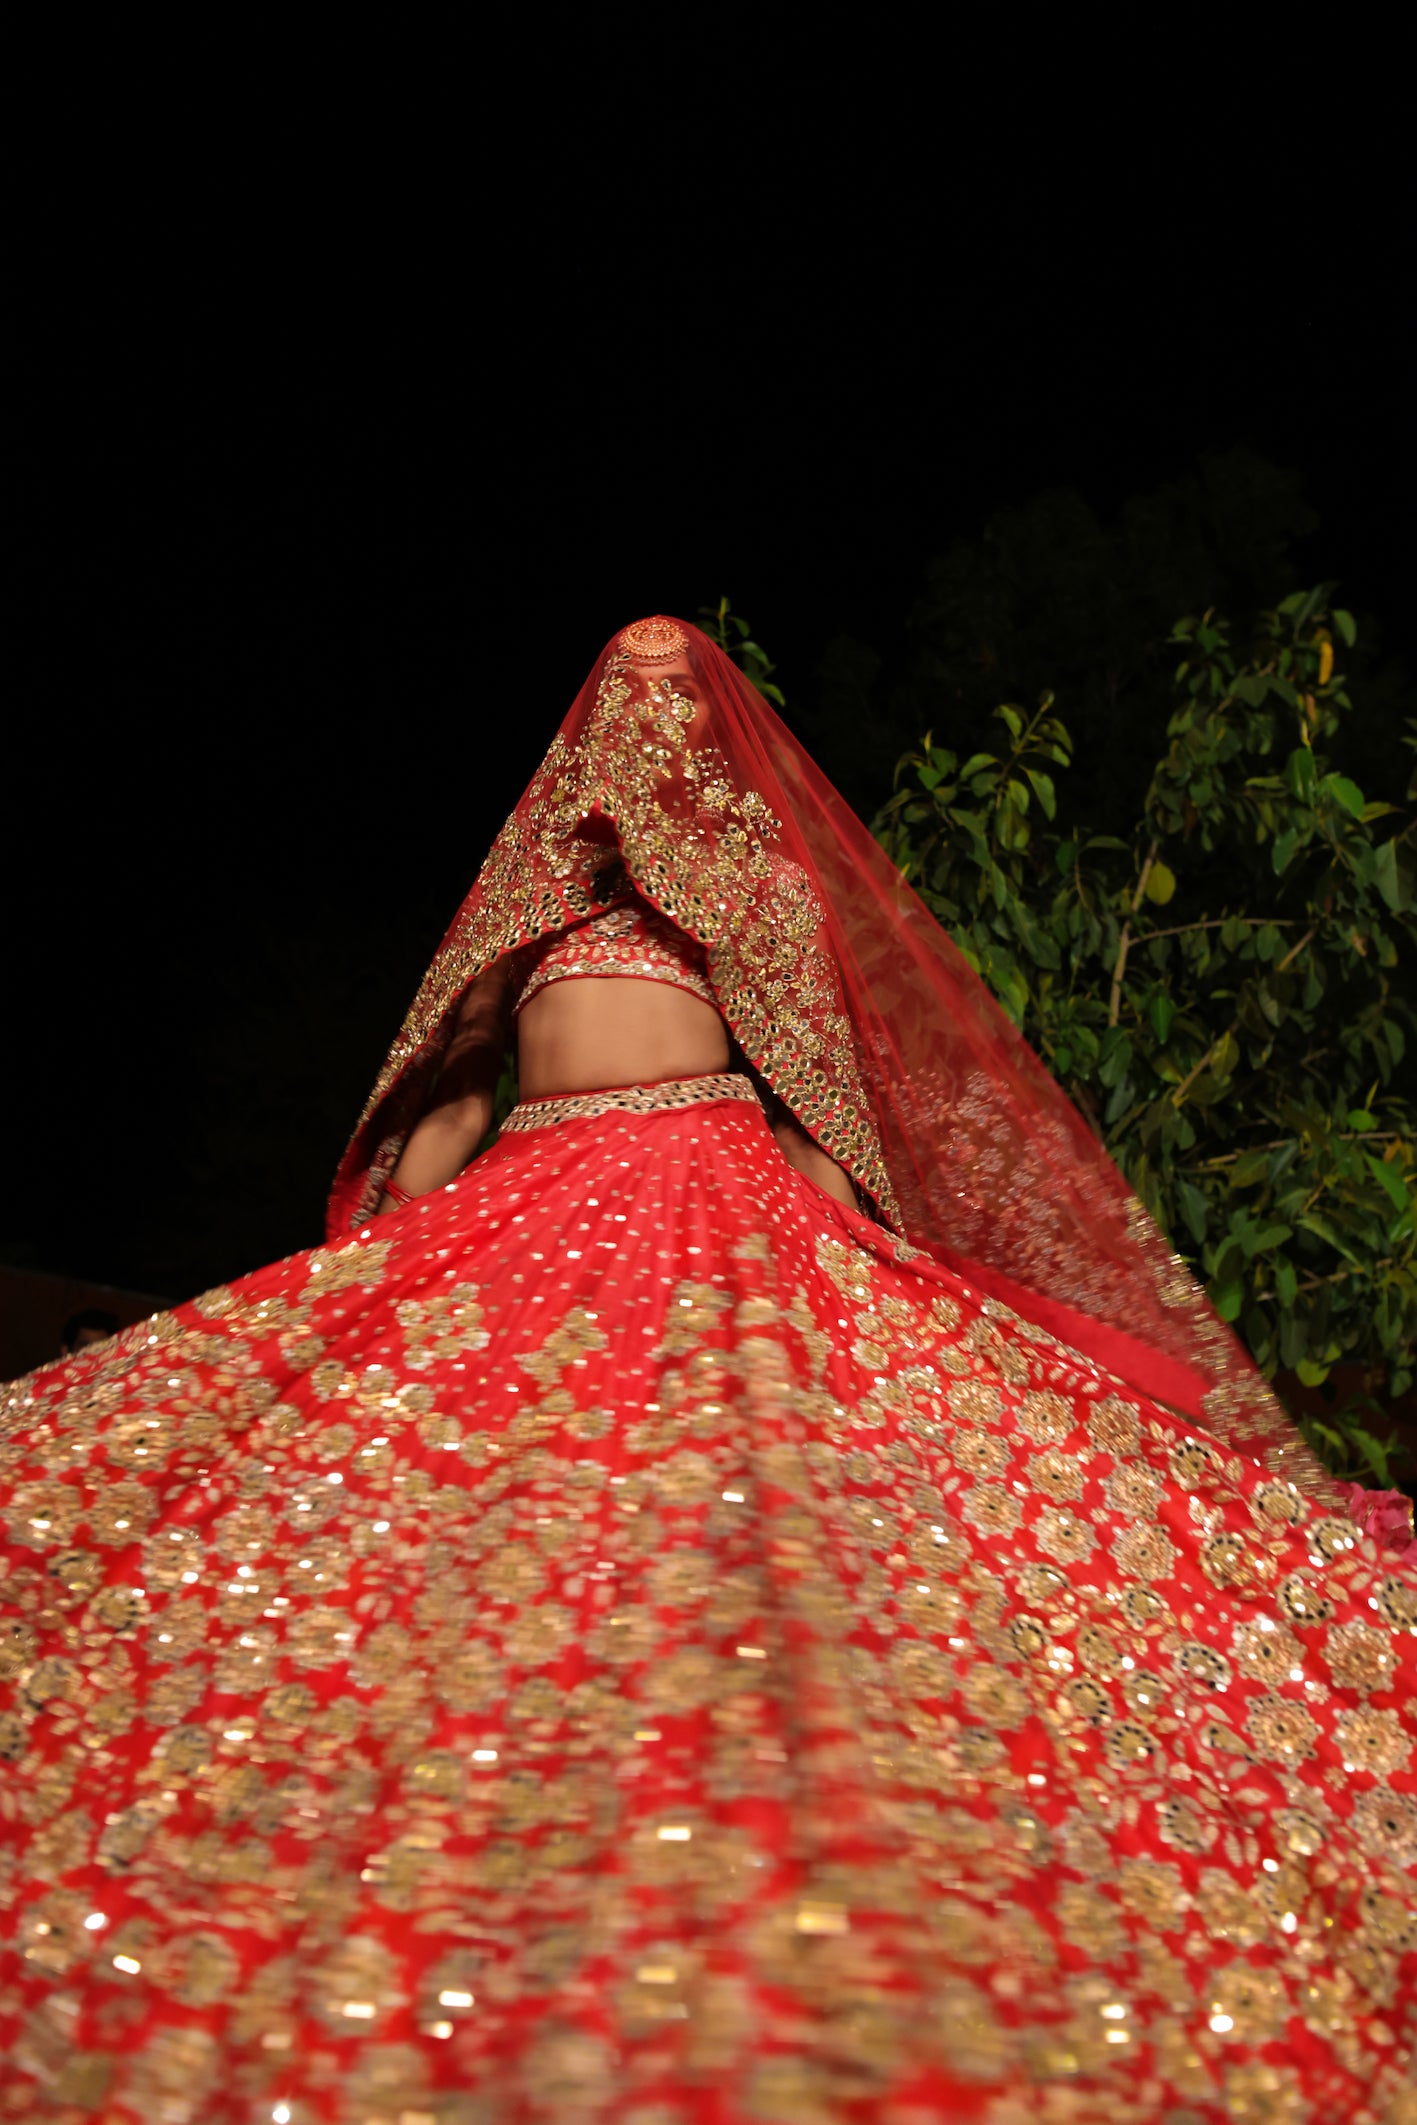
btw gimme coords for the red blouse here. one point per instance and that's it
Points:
(630, 939)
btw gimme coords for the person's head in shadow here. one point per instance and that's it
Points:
(92, 1325)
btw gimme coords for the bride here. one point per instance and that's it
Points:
(763, 1595)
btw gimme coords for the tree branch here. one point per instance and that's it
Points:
(1311, 1283)
(1277, 1143)
(1114, 1007)
(1218, 922)
(1234, 1026)
(1294, 950)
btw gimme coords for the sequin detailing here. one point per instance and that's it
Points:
(630, 940)
(675, 1093)
(712, 862)
(626, 1640)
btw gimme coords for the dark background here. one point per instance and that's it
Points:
(346, 433)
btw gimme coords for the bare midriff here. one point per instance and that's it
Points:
(586, 1034)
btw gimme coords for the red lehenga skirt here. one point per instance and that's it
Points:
(625, 1641)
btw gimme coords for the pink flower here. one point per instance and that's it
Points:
(1386, 1515)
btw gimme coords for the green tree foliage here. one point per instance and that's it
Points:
(1225, 990)
(734, 635)
(1054, 596)
(1054, 592)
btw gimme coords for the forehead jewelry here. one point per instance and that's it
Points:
(654, 641)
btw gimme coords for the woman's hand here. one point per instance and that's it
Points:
(441, 1144)
(459, 1112)
(809, 1159)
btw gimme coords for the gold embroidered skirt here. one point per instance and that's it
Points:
(624, 1641)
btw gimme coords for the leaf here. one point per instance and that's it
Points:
(974, 763)
(1043, 790)
(1012, 718)
(1385, 876)
(1286, 1281)
(1225, 1056)
(1007, 981)
(1361, 1120)
(1343, 792)
(1227, 1299)
(1282, 1158)
(1194, 1209)
(1042, 945)
(1293, 1342)
(1118, 1102)
(1161, 1010)
(1249, 1167)
(1374, 1452)
(1312, 1375)
(1160, 883)
(1086, 1043)
(1302, 773)
(1065, 856)
(1388, 1179)
(1346, 626)
(1284, 847)
(1012, 827)
(1323, 1230)
(1116, 1056)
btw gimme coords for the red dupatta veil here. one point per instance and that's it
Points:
(846, 995)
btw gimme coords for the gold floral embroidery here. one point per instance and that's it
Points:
(762, 1594)
(1359, 1658)
(626, 939)
(1385, 1824)
(665, 1098)
(1372, 1740)
(708, 857)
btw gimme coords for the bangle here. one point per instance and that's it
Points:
(398, 1196)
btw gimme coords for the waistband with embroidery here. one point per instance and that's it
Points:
(631, 1099)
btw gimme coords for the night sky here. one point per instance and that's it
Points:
(342, 446)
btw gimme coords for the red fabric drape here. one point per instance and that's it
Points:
(846, 994)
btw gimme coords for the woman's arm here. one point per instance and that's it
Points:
(803, 1154)
(459, 1113)
(809, 1159)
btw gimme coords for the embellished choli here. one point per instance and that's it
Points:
(693, 847)
(629, 939)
